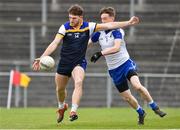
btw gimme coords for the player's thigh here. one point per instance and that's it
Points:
(135, 82)
(126, 93)
(61, 81)
(127, 96)
(78, 74)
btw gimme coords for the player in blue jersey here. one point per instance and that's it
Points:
(121, 67)
(75, 35)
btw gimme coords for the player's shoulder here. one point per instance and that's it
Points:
(85, 24)
(67, 25)
(95, 36)
(118, 30)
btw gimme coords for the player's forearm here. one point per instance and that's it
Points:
(50, 49)
(111, 25)
(114, 25)
(113, 49)
(109, 51)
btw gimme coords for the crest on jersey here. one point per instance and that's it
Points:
(76, 35)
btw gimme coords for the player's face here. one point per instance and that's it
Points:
(74, 20)
(105, 18)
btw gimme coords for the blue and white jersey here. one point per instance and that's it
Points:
(106, 39)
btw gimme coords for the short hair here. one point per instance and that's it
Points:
(76, 10)
(108, 10)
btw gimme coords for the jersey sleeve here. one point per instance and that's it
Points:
(117, 34)
(95, 37)
(92, 27)
(62, 30)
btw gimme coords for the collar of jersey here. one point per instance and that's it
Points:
(107, 31)
(78, 29)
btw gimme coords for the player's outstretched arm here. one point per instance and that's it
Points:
(50, 49)
(113, 25)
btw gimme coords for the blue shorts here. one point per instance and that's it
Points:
(67, 69)
(120, 74)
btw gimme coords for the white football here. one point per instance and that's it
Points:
(47, 63)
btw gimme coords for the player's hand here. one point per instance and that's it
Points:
(96, 56)
(134, 20)
(36, 66)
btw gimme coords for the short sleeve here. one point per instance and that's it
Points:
(117, 34)
(92, 27)
(95, 37)
(62, 30)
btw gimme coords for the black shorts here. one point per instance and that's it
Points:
(124, 85)
(67, 69)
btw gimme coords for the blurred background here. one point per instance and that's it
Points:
(28, 26)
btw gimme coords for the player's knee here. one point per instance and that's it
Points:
(126, 98)
(78, 83)
(60, 89)
(139, 88)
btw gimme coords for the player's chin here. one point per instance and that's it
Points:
(72, 24)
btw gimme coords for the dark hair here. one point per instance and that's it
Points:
(108, 10)
(76, 10)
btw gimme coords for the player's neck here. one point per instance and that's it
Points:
(79, 25)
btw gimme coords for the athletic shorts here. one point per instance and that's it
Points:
(120, 75)
(67, 69)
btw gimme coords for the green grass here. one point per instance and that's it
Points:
(89, 118)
